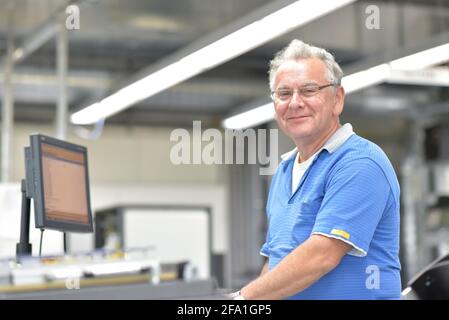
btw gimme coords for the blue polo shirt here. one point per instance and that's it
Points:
(350, 193)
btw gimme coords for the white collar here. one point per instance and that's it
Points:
(332, 144)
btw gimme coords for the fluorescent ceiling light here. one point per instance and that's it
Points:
(251, 117)
(236, 43)
(358, 81)
(433, 76)
(422, 59)
(366, 78)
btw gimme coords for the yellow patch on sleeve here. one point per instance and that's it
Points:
(342, 233)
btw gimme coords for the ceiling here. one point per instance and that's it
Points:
(117, 39)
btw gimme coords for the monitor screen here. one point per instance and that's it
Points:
(61, 185)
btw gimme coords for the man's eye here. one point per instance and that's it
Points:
(309, 90)
(284, 93)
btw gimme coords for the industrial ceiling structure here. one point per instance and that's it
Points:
(118, 39)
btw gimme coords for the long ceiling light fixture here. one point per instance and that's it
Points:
(422, 59)
(353, 82)
(250, 118)
(270, 26)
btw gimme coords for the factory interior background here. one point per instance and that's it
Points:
(59, 56)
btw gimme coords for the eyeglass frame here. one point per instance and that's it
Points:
(273, 97)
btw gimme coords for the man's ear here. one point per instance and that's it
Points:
(339, 101)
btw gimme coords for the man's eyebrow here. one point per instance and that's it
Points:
(283, 86)
(310, 82)
(305, 84)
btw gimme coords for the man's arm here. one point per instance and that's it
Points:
(264, 268)
(298, 270)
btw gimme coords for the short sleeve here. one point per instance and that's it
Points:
(357, 193)
(264, 250)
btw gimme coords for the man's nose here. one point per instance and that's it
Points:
(296, 100)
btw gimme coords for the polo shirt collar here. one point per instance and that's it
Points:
(332, 144)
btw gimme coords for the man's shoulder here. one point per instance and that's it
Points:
(357, 147)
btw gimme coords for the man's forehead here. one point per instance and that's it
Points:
(313, 69)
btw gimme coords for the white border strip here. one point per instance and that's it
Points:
(358, 252)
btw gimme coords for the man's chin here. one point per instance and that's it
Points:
(296, 132)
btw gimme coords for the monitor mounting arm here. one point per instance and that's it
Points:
(23, 247)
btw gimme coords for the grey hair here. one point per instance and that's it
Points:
(299, 50)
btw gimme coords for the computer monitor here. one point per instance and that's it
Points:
(58, 181)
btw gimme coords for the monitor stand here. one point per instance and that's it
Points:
(23, 247)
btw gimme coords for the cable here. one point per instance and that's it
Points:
(40, 242)
(64, 238)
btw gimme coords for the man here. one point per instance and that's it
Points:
(333, 205)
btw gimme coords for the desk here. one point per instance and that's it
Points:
(198, 289)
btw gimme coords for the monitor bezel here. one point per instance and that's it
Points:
(40, 218)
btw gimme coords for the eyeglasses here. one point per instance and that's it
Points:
(285, 94)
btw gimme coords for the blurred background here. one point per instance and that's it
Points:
(59, 56)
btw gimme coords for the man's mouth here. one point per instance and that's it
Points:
(296, 117)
